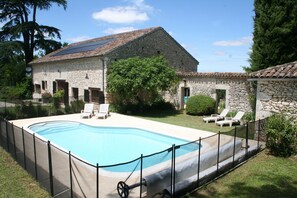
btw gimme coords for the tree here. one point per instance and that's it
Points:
(275, 34)
(12, 64)
(19, 28)
(139, 81)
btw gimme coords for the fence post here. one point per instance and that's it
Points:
(247, 139)
(97, 180)
(5, 107)
(70, 171)
(172, 169)
(35, 158)
(141, 167)
(198, 165)
(13, 140)
(24, 149)
(50, 168)
(1, 137)
(7, 137)
(235, 131)
(259, 133)
(218, 156)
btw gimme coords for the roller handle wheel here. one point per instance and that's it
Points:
(123, 189)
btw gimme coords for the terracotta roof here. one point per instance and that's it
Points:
(117, 40)
(287, 70)
(232, 75)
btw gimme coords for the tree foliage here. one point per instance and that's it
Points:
(18, 27)
(12, 64)
(275, 34)
(139, 81)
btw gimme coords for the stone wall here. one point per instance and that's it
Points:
(157, 43)
(237, 89)
(79, 73)
(278, 96)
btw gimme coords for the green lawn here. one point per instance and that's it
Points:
(185, 120)
(15, 182)
(262, 176)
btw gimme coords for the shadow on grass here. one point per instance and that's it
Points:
(158, 114)
(274, 186)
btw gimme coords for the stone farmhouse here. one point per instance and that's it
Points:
(80, 68)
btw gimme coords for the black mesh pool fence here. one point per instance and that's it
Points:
(174, 171)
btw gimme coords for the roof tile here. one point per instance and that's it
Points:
(287, 70)
(233, 75)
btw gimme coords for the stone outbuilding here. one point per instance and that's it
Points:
(80, 68)
(231, 88)
(276, 90)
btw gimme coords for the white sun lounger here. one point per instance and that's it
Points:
(103, 111)
(216, 117)
(87, 112)
(230, 121)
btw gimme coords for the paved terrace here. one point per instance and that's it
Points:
(118, 120)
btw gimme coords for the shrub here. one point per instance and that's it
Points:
(248, 117)
(75, 106)
(281, 136)
(46, 96)
(200, 105)
(57, 98)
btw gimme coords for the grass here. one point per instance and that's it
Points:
(15, 181)
(262, 176)
(190, 121)
(182, 119)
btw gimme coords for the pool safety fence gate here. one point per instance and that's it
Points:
(63, 174)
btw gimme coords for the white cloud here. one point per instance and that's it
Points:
(78, 39)
(128, 14)
(242, 41)
(138, 11)
(119, 30)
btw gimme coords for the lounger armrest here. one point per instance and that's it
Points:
(82, 111)
(214, 115)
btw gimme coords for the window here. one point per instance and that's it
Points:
(75, 93)
(54, 86)
(44, 85)
(86, 95)
(37, 88)
(187, 91)
(95, 95)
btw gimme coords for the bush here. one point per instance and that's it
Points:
(200, 105)
(281, 136)
(57, 98)
(75, 106)
(46, 96)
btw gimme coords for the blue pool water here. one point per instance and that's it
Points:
(111, 145)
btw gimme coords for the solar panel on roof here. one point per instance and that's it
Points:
(90, 46)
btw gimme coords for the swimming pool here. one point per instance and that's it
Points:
(110, 145)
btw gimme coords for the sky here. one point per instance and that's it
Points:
(218, 33)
